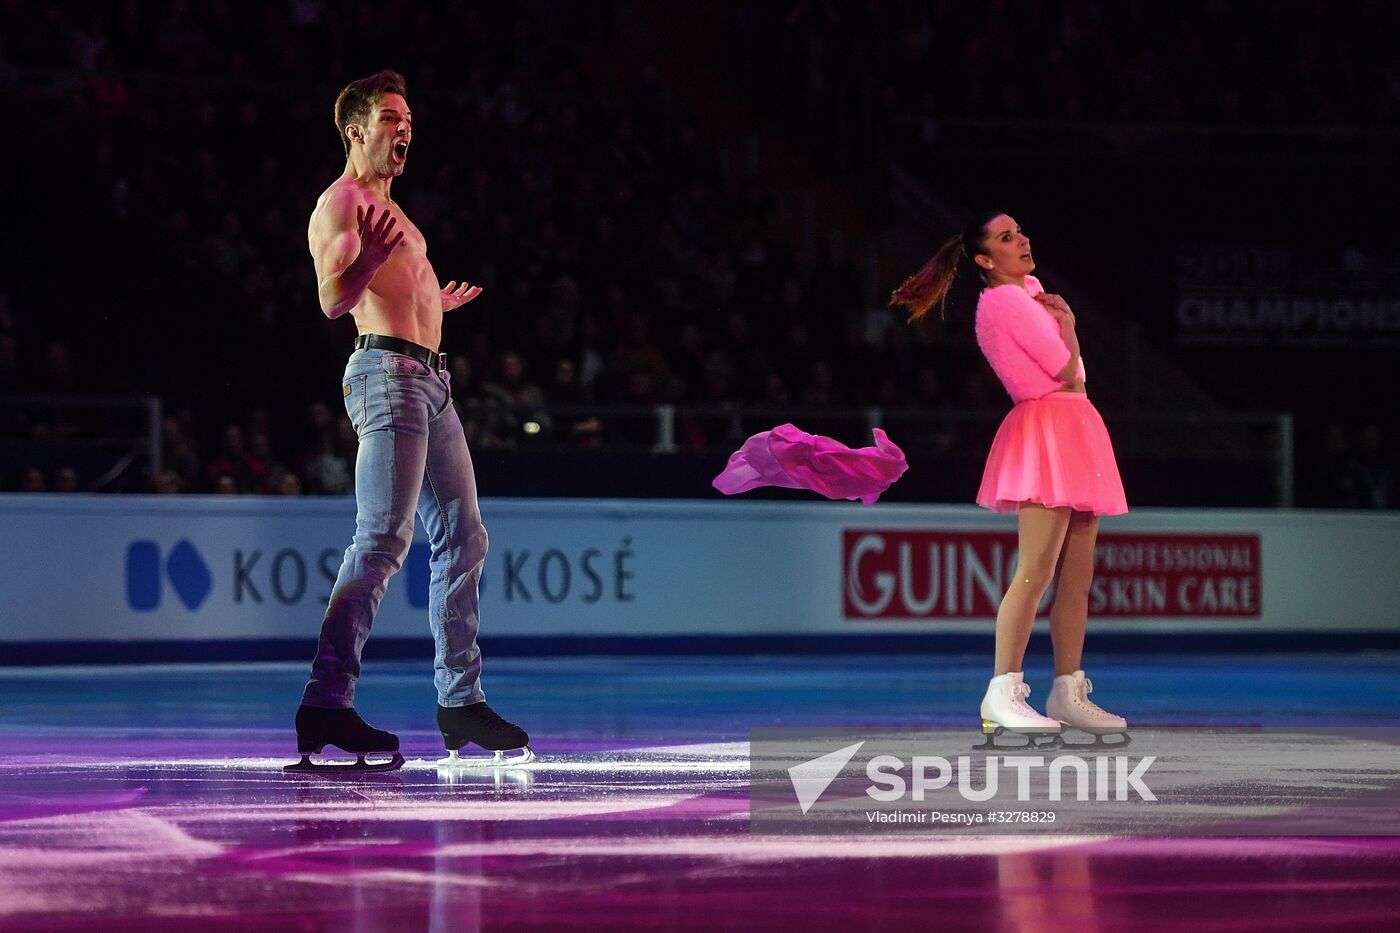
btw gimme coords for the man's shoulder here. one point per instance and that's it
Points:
(340, 199)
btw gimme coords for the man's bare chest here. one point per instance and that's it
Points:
(413, 240)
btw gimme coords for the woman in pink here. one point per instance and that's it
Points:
(1051, 463)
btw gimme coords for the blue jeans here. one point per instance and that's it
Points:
(413, 455)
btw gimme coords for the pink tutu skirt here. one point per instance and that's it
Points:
(1054, 451)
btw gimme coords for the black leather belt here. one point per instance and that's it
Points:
(429, 358)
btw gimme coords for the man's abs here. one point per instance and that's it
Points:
(402, 301)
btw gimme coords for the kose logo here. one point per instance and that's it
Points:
(287, 576)
(188, 574)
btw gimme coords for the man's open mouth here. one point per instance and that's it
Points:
(401, 149)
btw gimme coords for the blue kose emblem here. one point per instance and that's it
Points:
(188, 574)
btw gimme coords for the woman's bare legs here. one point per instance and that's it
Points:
(1040, 531)
(1069, 693)
(1071, 610)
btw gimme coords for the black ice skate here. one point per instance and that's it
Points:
(343, 728)
(481, 725)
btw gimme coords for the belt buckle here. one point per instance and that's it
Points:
(440, 362)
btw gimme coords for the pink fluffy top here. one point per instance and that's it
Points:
(1021, 339)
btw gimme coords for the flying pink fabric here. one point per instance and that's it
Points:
(789, 457)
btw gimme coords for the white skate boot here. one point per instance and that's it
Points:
(1004, 709)
(1069, 703)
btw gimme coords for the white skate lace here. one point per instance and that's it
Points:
(1019, 693)
(1089, 704)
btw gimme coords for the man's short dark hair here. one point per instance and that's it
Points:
(353, 105)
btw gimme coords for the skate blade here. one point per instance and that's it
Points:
(1099, 740)
(359, 766)
(1043, 741)
(498, 759)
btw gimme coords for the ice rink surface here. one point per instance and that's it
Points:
(152, 798)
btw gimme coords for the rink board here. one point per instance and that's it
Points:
(85, 569)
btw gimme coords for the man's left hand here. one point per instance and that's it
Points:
(454, 295)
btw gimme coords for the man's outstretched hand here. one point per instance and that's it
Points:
(454, 296)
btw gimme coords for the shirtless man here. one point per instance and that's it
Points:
(372, 263)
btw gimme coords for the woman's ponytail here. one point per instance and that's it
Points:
(930, 285)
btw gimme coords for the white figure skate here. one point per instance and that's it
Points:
(1070, 704)
(1004, 709)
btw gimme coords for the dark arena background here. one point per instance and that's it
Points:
(687, 220)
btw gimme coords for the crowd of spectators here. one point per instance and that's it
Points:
(177, 148)
(904, 71)
(622, 265)
(1353, 467)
